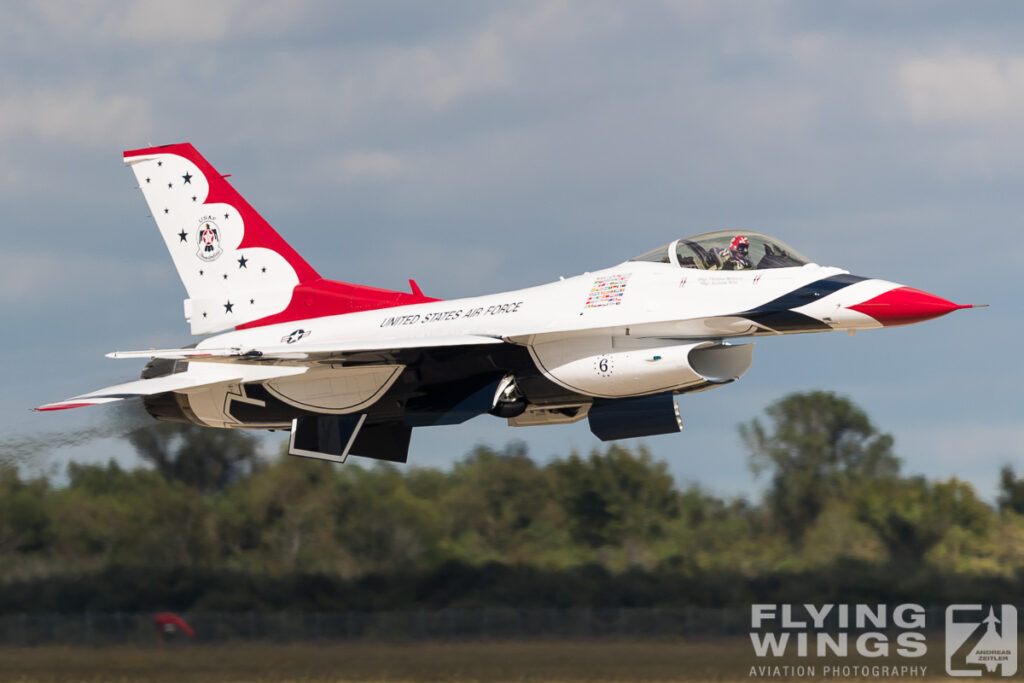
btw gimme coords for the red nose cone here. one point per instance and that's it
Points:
(906, 305)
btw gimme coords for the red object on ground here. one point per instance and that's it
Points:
(167, 621)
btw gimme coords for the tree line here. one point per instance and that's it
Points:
(208, 524)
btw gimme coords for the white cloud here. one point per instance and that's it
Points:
(438, 77)
(78, 116)
(962, 88)
(366, 165)
(28, 278)
(147, 22)
(431, 76)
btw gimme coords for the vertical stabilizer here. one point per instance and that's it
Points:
(235, 267)
(237, 270)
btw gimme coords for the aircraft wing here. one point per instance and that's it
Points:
(304, 354)
(235, 364)
(197, 377)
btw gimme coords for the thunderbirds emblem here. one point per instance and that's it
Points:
(208, 239)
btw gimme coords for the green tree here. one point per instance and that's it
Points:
(307, 515)
(500, 506)
(25, 519)
(282, 517)
(1011, 491)
(912, 516)
(201, 457)
(714, 534)
(110, 516)
(817, 447)
(616, 495)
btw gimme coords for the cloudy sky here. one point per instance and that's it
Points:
(483, 146)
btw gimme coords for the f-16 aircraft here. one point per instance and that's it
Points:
(351, 369)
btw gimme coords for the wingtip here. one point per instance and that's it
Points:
(130, 354)
(61, 406)
(82, 402)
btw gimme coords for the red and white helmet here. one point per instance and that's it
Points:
(740, 245)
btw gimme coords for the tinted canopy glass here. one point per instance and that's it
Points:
(727, 250)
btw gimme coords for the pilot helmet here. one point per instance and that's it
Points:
(740, 245)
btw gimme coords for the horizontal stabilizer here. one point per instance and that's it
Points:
(291, 352)
(196, 376)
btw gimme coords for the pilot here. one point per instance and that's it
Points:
(737, 256)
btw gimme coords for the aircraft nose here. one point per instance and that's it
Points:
(905, 306)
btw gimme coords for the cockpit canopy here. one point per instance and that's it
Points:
(726, 250)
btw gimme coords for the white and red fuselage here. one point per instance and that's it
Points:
(352, 369)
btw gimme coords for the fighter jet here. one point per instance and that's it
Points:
(351, 370)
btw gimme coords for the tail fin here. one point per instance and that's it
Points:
(237, 270)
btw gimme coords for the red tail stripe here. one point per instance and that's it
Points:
(328, 297)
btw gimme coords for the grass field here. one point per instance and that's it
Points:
(664, 660)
